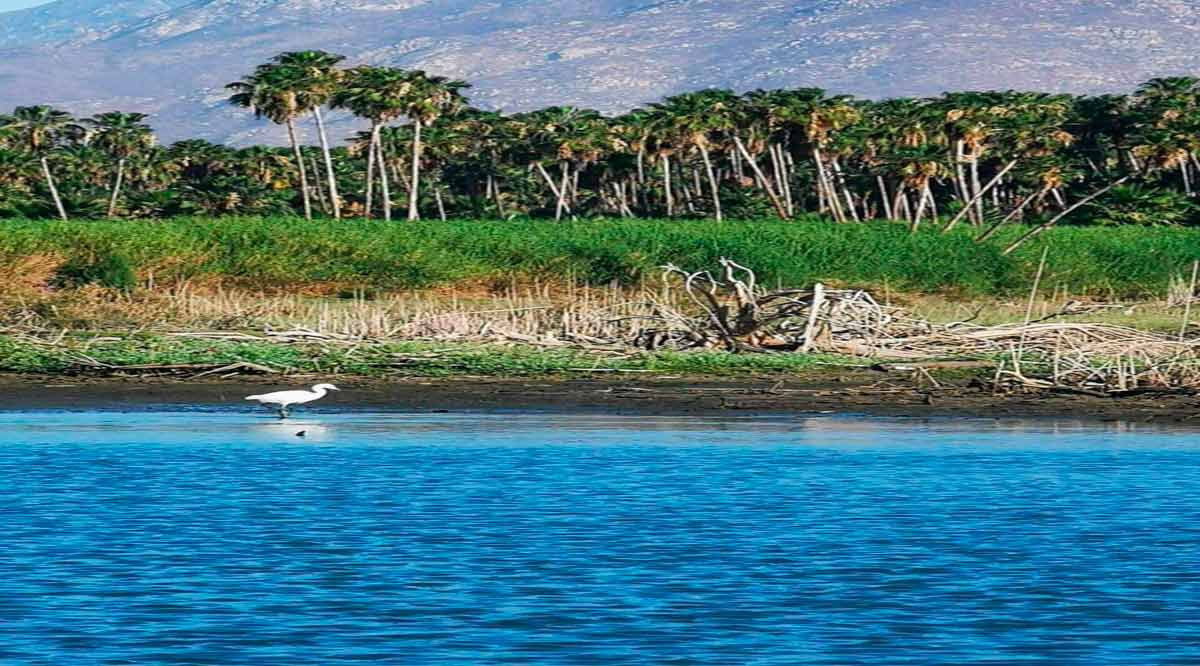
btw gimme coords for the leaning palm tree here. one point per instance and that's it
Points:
(271, 93)
(40, 129)
(122, 136)
(314, 77)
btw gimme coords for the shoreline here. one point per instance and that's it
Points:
(859, 392)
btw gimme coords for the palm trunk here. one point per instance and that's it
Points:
(291, 127)
(789, 169)
(562, 191)
(1133, 162)
(979, 195)
(975, 184)
(766, 185)
(916, 221)
(334, 201)
(384, 188)
(62, 212)
(841, 181)
(785, 179)
(776, 169)
(666, 167)
(991, 231)
(437, 196)
(414, 190)
(883, 196)
(638, 193)
(116, 190)
(964, 191)
(687, 194)
(495, 185)
(825, 188)
(712, 182)
(316, 169)
(619, 197)
(371, 170)
(1062, 203)
(559, 195)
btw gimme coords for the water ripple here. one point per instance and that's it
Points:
(223, 538)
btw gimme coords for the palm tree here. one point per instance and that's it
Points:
(315, 78)
(1165, 123)
(379, 95)
(481, 140)
(697, 116)
(42, 128)
(816, 120)
(662, 142)
(271, 93)
(122, 136)
(429, 97)
(570, 137)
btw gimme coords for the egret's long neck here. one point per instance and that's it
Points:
(320, 391)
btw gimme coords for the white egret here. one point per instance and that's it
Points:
(284, 399)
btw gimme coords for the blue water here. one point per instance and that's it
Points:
(222, 538)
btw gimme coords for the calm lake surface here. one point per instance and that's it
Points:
(222, 538)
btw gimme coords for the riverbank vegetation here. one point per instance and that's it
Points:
(221, 297)
(983, 160)
(161, 355)
(351, 258)
(718, 322)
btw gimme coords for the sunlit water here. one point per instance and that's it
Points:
(223, 538)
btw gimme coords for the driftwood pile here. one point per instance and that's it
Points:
(733, 312)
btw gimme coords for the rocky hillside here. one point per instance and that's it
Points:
(172, 57)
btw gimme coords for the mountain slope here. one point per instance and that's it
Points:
(172, 57)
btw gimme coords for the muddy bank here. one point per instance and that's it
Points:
(856, 392)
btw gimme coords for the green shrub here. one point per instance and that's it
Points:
(110, 270)
(1142, 206)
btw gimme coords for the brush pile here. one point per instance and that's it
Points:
(731, 311)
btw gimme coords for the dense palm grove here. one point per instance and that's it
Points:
(981, 159)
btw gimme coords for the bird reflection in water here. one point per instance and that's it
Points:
(313, 432)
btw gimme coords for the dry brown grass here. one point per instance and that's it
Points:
(535, 310)
(28, 276)
(1149, 315)
(532, 308)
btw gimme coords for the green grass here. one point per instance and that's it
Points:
(284, 252)
(415, 359)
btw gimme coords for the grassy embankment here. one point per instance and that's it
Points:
(288, 253)
(44, 265)
(414, 359)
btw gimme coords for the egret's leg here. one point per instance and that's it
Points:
(283, 411)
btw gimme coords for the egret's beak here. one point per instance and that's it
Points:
(335, 388)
